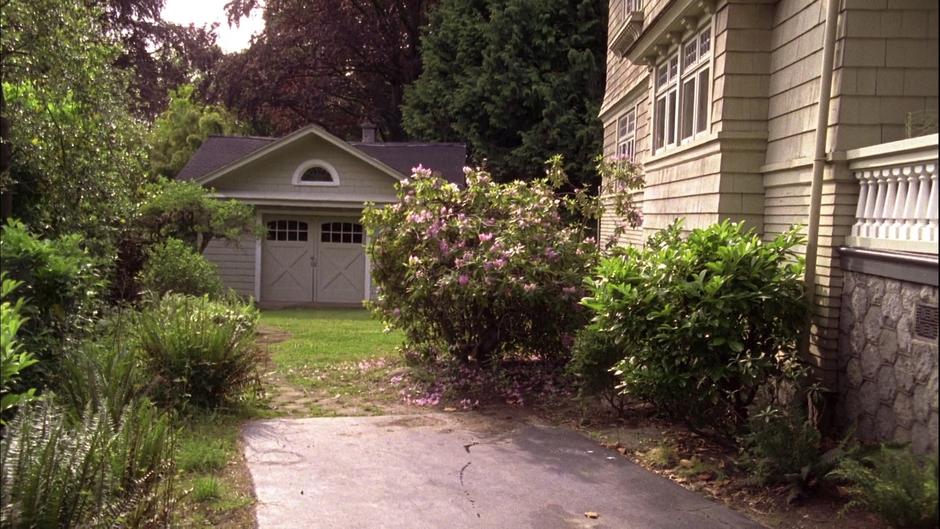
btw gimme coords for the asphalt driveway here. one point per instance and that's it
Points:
(455, 471)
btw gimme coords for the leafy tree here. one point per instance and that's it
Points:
(519, 80)
(182, 128)
(158, 55)
(73, 155)
(333, 62)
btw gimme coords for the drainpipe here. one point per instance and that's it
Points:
(819, 162)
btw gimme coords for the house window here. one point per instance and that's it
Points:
(630, 6)
(341, 232)
(682, 89)
(315, 173)
(626, 135)
(287, 230)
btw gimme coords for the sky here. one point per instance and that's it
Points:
(204, 12)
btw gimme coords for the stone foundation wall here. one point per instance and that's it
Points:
(888, 376)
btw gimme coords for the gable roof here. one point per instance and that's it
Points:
(219, 154)
(219, 151)
(448, 159)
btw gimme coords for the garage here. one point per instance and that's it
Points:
(308, 190)
(313, 260)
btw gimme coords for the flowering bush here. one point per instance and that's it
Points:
(480, 273)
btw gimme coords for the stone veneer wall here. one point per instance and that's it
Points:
(888, 376)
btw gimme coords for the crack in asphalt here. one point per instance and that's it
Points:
(467, 447)
(466, 492)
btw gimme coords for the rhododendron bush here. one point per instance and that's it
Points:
(484, 273)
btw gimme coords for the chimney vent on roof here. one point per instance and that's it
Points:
(368, 132)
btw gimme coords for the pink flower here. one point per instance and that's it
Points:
(463, 280)
(551, 254)
(485, 237)
(444, 247)
(569, 290)
(528, 287)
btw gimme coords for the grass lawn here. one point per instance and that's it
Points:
(330, 362)
(322, 338)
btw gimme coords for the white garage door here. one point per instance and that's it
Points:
(341, 262)
(287, 263)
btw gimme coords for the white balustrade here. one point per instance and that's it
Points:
(897, 199)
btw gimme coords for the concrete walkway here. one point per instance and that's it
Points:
(456, 471)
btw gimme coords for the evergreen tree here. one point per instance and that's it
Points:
(519, 80)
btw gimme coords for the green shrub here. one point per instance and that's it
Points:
(12, 359)
(199, 351)
(173, 266)
(91, 473)
(895, 484)
(479, 273)
(202, 455)
(593, 358)
(61, 284)
(706, 321)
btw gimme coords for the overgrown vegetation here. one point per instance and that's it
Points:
(704, 322)
(201, 352)
(895, 484)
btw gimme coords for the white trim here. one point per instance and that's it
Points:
(289, 139)
(258, 242)
(367, 293)
(309, 164)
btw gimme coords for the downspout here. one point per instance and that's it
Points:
(819, 163)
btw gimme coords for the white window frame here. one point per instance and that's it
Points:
(672, 76)
(626, 134)
(309, 164)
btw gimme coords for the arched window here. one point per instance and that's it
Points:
(316, 173)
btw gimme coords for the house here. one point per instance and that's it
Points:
(819, 113)
(308, 188)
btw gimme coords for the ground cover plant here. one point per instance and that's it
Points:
(479, 274)
(702, 322)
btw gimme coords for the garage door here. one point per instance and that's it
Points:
(341, 262)
(287, 264)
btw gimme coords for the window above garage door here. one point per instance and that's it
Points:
(341, 232)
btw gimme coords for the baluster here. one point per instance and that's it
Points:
(887, 220)
(920, 211)
(871, 208)
(897, 210)
(860, 220)
(878, 215)
(932, 204)
(910, 204)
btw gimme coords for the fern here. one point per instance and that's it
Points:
(58, 472)
(894, 484)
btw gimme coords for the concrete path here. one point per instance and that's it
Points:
(456, 471)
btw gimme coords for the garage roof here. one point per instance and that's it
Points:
(448, 159)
